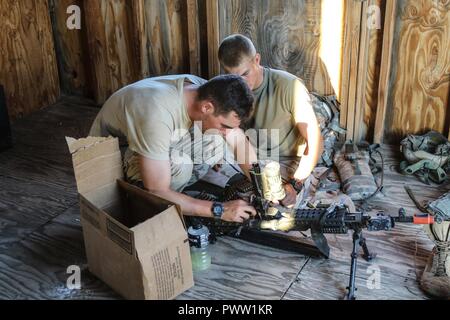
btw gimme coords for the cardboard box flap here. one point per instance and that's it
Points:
(167, 272)
(84, 143)
(151, 218)
(166, 225)
(162, 247)
(143, 205)
(97, 162)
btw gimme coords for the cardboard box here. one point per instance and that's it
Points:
(135, 242)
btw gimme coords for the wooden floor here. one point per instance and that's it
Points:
(40, 232)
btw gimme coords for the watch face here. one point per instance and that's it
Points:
(217, 209)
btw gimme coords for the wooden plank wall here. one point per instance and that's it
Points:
(122, 41)
(408, 72)
(286, 32)
(420, 75)
(213, 36)
(28, 68)
(167, 35)
(71, 49)
(385, 69)
(350, 66)
(373, 74)
(131, 40)
(111, 52)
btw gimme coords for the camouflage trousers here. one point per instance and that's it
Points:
(220, 175)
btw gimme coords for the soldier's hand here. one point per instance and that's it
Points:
(237, 211)
(291, 196)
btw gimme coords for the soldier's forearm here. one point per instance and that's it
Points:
(243, 150)
(309, 161)
(189, 206)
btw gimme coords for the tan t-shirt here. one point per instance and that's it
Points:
(146, 115)
(275, 102)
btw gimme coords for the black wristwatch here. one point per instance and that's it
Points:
(217, 210)
(296, 184)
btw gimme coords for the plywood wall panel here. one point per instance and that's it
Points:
(287, 33)
(420, 77)
(112, 55)
(28, 68)
(168, 51)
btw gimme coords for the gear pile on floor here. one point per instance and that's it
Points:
(351, 175)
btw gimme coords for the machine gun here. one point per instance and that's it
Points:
(334, 219)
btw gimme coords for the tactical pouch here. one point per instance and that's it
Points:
(354, 170)
(440, 208)
(326, 109)
(426, 156)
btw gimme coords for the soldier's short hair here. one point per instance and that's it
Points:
(228, 93)
(234, 49)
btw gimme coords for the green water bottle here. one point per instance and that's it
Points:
(199, 241)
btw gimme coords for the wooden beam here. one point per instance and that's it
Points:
(362, 73)
(70, 49)
(386, 59)
(139, 36)
(193, 36)
(212, 16)
(350, 67)
(98, 56)
(354, 52)
(345, 66)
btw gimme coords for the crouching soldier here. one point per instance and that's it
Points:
(153, 118)
(283, 110)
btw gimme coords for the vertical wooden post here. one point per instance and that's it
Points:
(345, 66)
(212, 16)
(386, 57)
(193, 36)
(362, 74)
(139, 36)
(355, 8)
(350, 65)
(98, 53)
(70, 50)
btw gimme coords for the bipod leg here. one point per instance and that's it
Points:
(366, 253)
(351, 284)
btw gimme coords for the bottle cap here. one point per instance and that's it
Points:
(198, 236)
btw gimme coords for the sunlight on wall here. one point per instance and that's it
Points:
(331, 29)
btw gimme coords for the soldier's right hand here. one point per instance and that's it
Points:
(237, 211)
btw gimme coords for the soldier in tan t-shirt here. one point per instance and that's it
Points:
(154, 118)
(282, 105)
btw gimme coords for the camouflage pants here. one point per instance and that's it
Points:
(288, 167)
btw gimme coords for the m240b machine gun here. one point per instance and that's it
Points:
(334, 219)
